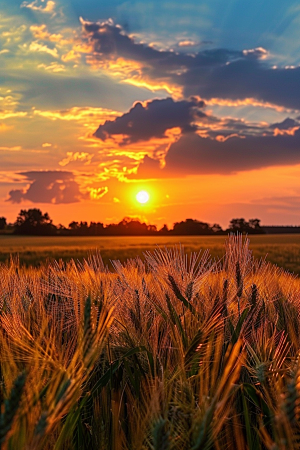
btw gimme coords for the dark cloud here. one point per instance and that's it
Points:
(225, 145)
(286, 124)
(221, 73)
(153, 119)
(245, 78)
(192, 154)
(109, 40)
(48, 187)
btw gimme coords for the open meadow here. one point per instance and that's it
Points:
(168, 353)
(283, 250)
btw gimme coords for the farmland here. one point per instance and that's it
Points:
(167, 354)
(282, 250)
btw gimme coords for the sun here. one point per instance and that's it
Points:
(142, 197)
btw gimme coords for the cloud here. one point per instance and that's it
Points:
(214, 73)
(193, 154)
(256, 53)
(110, 41)
(41, 32)
(97, 193)
(187, 43)
(11, 114)
(82, 157)
(152, 119)
(47, 8)
(53, 67)
(48, 187)
(36, 47)
(287, 124)
(84, 114)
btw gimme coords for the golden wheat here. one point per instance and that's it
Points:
(172, 352)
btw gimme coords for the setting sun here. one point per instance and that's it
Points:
(142, 197)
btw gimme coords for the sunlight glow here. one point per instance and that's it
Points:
(142, 197)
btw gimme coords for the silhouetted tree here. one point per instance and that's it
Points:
(239, 225)
(130, 227)
(74, 225)
(96, 229)
(254, 224)
(79, 228)
(2, 223)
(216, 228)
(83, 228)
(164, 230)
(242, 226)
(34, 222)
(191, 227)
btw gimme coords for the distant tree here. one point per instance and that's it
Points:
(34, 222)
(239, 226)
(96, 229)
(62, 230)
(191, 227)
(242, 226)
(216, 228)
(73, 225)
(133, 227)
(79, 228)
(254, 224)
(152, 229)
(164, 230)
(83, 228)
(3, 223)
(130, 227)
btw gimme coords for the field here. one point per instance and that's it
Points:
(283, 250)
(169, 353)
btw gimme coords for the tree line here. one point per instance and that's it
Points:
(36, 223)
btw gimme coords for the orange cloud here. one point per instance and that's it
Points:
(187, 43)
(221, 138)
(97, 193)
(130, 71)
(16, 148)
(10, 114)
(85, 114)
(41, 32)
(71, 56)
(77, 156)
(245, 102)
(290, 131)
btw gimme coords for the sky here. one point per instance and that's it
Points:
(195, 102)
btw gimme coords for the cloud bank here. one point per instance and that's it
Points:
(54, 187)
(207, 144)
(193, 154)
(221, 73)
(152, 120)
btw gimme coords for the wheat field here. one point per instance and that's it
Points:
(282, 250)
(172, 352)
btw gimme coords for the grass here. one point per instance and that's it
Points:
(172, 352)
(283, 250)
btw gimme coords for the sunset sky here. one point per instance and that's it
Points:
(196, 102)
